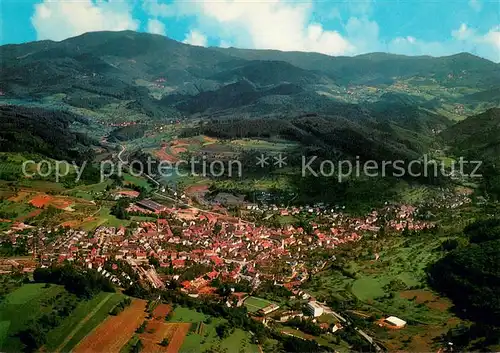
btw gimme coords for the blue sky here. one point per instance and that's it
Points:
(334, 27)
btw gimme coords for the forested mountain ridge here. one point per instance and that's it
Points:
(129, 65)
(376, 105)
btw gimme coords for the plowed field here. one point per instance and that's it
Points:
(156, 331)
(115, 331)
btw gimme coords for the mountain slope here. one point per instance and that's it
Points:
(368, 68)
(128, 56)
(143, 76)
(45, 132)
(478, 135)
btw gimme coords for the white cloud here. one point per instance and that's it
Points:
(486, 45)
(273, 24)
(360, 7)
(196, 38)
(493, 38)
(153, 7)
(476, 5)
(288, 26)
(410, 45)
(61, 19)
(463, 33)
(463, 39)
(364, 34)
(156, 27)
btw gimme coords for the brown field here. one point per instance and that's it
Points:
(178, 149)
(156, 331)
(207, 139)
(178, 336)
(423, 341)
(197, 188)
(21, 195)
(161, 311)
(430, 300)
(71, 224)
(42, 200)
(61, 203)
(164, 156)
(115, 331)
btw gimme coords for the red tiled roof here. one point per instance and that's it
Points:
(217, 260)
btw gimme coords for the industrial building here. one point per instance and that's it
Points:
(314, 309)
(151, 205)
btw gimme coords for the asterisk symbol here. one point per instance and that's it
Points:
(262, 161)
(280, 160)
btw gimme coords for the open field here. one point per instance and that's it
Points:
(44, 200)
(133, 180)
(19, 307)
(206, 337)
(103, 217)
(115, 331)
(88, 192)
(254, 304)
(393, 285)
(40, 208)
(367, 288)
(156, 331)
(161, 311)
(182, 314)
(269, 145)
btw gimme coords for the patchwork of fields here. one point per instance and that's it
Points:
(83, 320)
(23, 306)
(395, 284)
(115, 331)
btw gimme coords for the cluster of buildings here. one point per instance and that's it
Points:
(229, 248)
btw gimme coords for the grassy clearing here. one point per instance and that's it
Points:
(254, 304)
(104, 217)
(20, 307)
(238, 341)
(25, 294)
(367, 288)
(264, 145)
(87, 192)
(130, 344)
(42, 185)
(136, 181)
(182, 314)
(4, 330)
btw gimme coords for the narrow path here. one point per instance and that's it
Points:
(82, 322)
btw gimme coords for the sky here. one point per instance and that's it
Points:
(333, 27)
